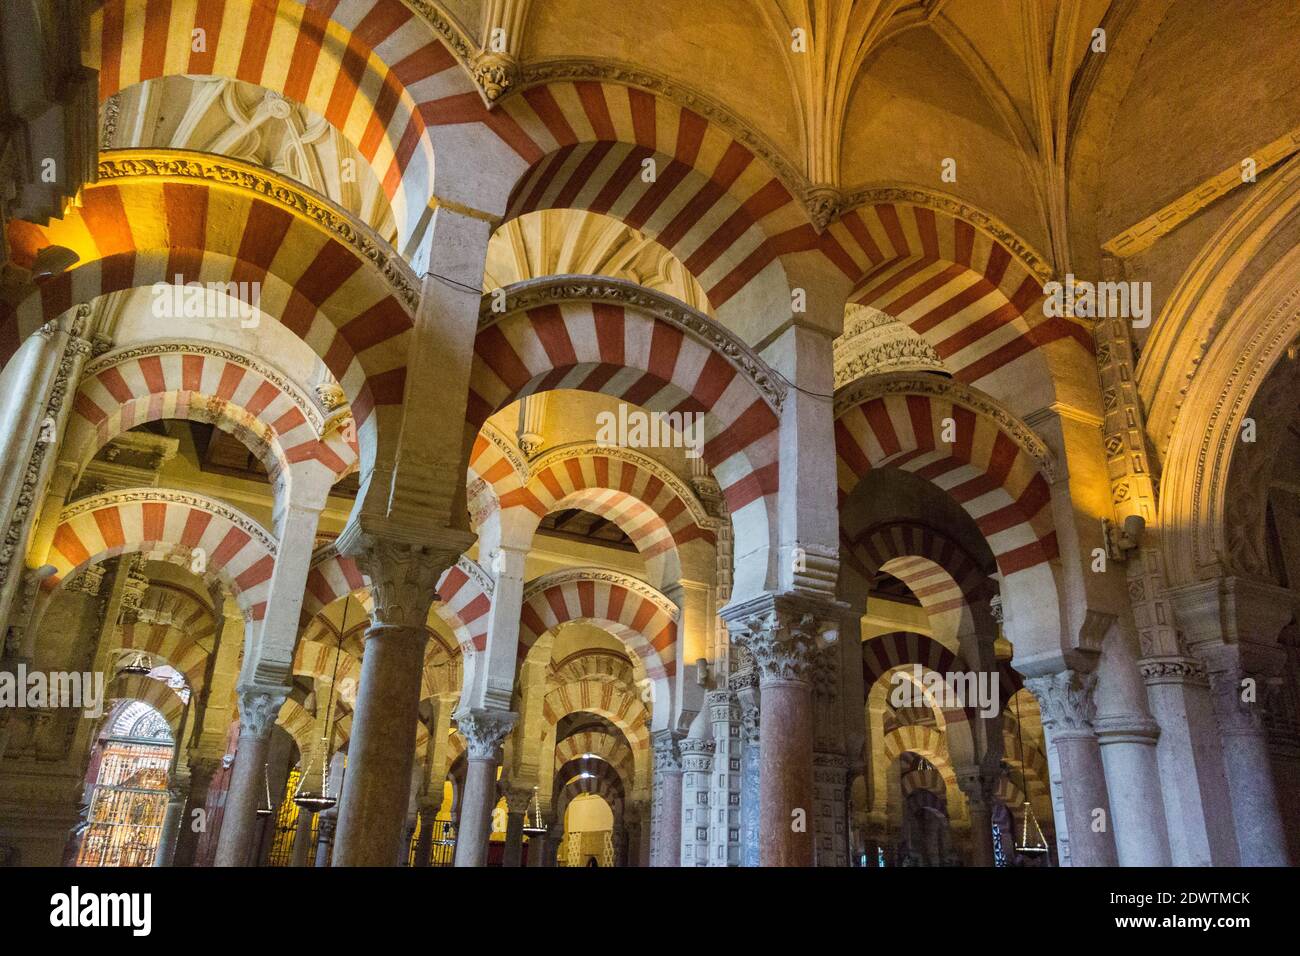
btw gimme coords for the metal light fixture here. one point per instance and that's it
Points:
(533, 824)
(1027, 844)
(318, 798)
(267, 810)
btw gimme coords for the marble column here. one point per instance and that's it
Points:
(666, 800)
(1189, 755)
(1239, 689)
(484, 731)
(1128, 753)
(748, 697)
(784, 633)
(202, 770)
(697, 772)
(978, 789)
(1065, 700)
(301, 853)
(177, 795)
(325, 837)
(517, 801)
(258, 709)
(381, 747)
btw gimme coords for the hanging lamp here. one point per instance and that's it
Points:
(1034, 843)
(318, 798)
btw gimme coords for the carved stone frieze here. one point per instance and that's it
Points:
(553, 290)
(667, 754)
(1173, 670)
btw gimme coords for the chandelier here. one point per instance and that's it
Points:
(1035, 843)
(313, 794)
(533, 824)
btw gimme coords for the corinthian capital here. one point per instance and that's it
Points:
(259, 705)
(784, 633)
(485, 730)
(1065, 700)
(668, 757)
(403, 578)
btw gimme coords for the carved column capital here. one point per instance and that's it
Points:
(518, 798)
(1172, 670)
(667, 755)
(1066, 701)
(784, 633)
(721, 704)
(403, 578)
(484, 730)
(1240, 678)
(259, 705)
(697, 754)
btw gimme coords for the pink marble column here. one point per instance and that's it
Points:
(785, 767)
(258, 708)
(484, 731)
(381, 747)
(666, 797)
(517, 801)
(785, 633)
(978, 789)
(1066, 702)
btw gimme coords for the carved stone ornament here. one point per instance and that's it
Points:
(485, 730)
(496, 74)
(783, 633)
(267, 186)
(403, 581)
(667, 755)
(1066, 701)
(1173, 670)
(824, 204)
(750, 722)
(553, 290)
(258, 708)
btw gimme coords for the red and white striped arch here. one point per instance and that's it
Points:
(163, 524)
(651, 507)
(984, 469)
(142, 231)
(604, 787)
(642, 359)
(180, 644)
(883, 653)
(496, 468)
(717, 207)
(464, 597)
(605, 698)
(608, 747)
(143, 384)
(373, 69)
(966, 293)
(937, 570)
(919, 739)
(632, 611)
